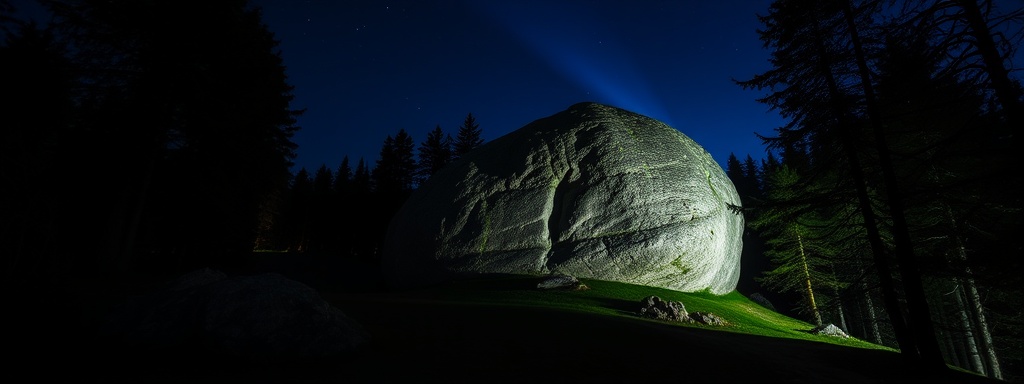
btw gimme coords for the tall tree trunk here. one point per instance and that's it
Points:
(970, 346)
(907, 343)
(919, 316)
(947, 340)
(978, 311)
(838, 300)
(975, 309)
(842, 315)
(807, 278)
(869, 304)
(876, 334)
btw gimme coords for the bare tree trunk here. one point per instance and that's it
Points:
(842, 315)
(954, 356)
(876, 334)
(869, 306)
(970, 346)
(862, 321)
(978, 312)
(975, 308)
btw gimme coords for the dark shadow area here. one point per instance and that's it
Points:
(435, 342)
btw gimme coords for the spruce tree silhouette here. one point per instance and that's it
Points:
(435, 152)
(469, 137)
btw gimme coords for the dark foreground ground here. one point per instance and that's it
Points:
(418, 339)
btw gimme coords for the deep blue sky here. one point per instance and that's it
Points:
(365, 69)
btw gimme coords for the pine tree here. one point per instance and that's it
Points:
(820, 83)
(361, 180)
(905, 114)
(383, 173)
(434, 153)
(752, 177)
(469, 137)
(797, 245)
(946, 164)
(322, 206)
(360, 213)
(343, 177)
(323, 180)
(396, 167)
(299, 208)
(734, 169)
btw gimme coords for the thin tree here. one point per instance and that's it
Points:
(798, 252)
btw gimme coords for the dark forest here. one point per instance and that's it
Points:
(134, 150)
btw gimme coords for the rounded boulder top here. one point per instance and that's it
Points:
(593, 192)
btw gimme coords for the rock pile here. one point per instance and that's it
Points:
(829, 330)
(655, 307)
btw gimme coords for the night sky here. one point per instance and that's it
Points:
(365, 69)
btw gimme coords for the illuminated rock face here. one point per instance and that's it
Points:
(593, 192)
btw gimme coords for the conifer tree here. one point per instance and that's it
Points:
(322, 207)
(819, 82)
(382, 176)
(469, 137)
(434, 153)
(343, 177)
(396, 166)
(323, 180)
(361, 180)
(752, 176)
(359, 215)
(299, 207)
(734, 169)
(799, 250)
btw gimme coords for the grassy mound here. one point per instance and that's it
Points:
(622, 300)
(503, 329)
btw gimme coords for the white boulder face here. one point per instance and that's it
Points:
(593, 192)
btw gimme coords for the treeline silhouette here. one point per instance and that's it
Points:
(345, 212)
(155, 138)
(893, 207)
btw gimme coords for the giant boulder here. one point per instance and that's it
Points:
(594, 191)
